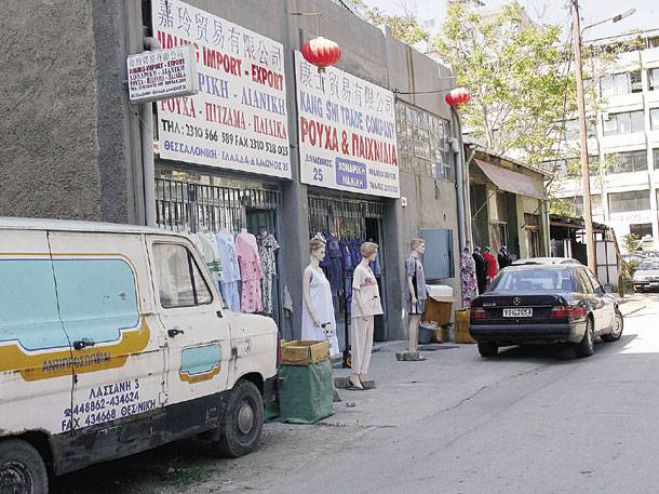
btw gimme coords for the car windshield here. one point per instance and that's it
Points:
(534, 280)
(649, 264)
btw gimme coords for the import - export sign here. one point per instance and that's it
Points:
(238, 120)
(347, 132)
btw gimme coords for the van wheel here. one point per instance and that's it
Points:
(22, 470)
(242, 422)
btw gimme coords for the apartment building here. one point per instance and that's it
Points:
(623, 145)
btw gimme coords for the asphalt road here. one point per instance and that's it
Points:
(533, 420)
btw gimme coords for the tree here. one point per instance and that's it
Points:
(632, 242)
(516, 72)
(406, 28)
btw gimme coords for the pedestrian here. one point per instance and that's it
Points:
(481, 270)
(468, 278)
(504, 258)
(490, 265)
(366, 304)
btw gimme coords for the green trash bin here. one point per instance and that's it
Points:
(307, 392)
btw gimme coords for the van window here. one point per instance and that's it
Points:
(181, 282)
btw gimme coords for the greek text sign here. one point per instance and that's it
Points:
(238, 120)
(347, 132)
(155, 75)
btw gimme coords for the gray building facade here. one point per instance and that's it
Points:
(73, 145)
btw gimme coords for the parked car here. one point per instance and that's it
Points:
(545, 260)
(545, 304)
(646, 276)
(114, 340)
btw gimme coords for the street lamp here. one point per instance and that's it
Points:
(581, 105)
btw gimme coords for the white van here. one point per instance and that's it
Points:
(114, 340)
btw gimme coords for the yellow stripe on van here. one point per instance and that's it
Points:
(37, 366)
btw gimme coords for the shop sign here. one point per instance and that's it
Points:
(238, 120)
(347, 132)
(155, 75)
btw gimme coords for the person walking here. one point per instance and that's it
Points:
(504, 258)
(481, 270)
(490, 265)
(366, 304)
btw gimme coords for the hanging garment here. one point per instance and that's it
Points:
(333, 253)
(230, 284)
(251, 273)
(468, 279)
(267, 246)
(321, 295)
(414, 269)
(211, 254)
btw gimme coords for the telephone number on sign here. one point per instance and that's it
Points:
(256, 144)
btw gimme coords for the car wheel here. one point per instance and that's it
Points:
(586, 346)
(22, 470)
(488, 349)
(616, 330)
(242, 421)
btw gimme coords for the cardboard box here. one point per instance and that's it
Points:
(302, 352)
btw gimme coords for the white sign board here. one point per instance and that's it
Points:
(347, 132)
(238, 120)
(155, 75)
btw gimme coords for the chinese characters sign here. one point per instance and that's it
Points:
(347, 132)
(238, 120)
(162, 74)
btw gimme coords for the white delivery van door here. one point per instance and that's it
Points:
(35, 356)
(197, 334)
(105, 302)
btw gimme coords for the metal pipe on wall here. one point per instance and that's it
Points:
(148, 160)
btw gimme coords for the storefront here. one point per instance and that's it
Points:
(223, 155)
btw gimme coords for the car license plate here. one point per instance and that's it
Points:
(526, 312)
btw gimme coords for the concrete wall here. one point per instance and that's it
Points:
(62, 135)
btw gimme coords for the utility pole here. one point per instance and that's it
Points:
(585, 165)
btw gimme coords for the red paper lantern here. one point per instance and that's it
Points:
(321, 52)
(458, 96)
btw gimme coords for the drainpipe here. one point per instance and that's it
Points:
(456, 145)
(148, 162)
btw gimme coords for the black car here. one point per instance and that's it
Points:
(544, 304)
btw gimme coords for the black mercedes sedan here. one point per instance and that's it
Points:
(544, 304)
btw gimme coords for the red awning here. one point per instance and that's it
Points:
(510, 181)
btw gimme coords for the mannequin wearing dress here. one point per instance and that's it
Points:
(416, 291)
(318, 319)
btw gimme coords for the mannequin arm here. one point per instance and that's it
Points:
(357, 294)
(410, 286)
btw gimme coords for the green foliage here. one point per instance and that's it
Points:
(562, 207)
(406, 28)
(516, 73)
(632, 242)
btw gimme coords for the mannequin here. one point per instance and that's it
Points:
(318, 319)
(416, 292)
(366, 304)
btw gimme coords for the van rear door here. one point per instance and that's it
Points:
(35, 356)
(197, 334)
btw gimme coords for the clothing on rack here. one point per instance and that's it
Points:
(333, 254)
(267, 247)
(211, 254)
(251, 272)
(230, 284)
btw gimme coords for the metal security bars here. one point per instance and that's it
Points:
(342, 217)
(184, 206)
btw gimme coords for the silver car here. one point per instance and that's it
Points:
(646, 276)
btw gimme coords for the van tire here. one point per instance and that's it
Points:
(242, 421)
(20, 462)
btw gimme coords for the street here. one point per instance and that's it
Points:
(531, 420)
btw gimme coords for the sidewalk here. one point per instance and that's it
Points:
(633, 303)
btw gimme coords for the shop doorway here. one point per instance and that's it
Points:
(352, 222)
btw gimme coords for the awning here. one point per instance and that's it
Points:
(510, 181)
